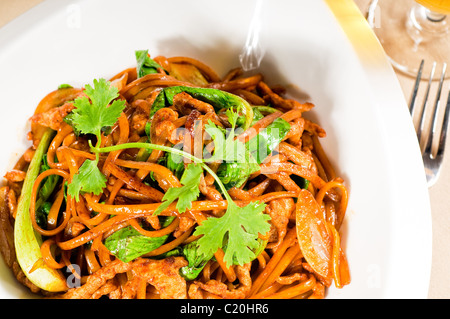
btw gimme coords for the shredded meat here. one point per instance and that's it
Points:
(279, 211)
(129, 290)
(285, 180)
(163, 128)
(97, 280)
(287, 280)
(138, 122)
(221, 289)
(23, 279)
(315, 129)
(12, 202)
(162, 274)
(53, 117)
(6, 229)
(15, 175)
(294, 136)
(194, 291)
(184, 103)
(109, 287)
(278, 101)
(28, 155)
(185, 223)
(298, 157)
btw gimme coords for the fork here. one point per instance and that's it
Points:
(432, 162)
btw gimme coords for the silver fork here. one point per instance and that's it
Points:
(432, 162)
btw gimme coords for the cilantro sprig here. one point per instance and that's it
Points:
(185, 194)
(98, 110)
(237, 231)
(239, 228)
(94, 112)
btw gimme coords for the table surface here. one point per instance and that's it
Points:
(440, 202)
(439, 199)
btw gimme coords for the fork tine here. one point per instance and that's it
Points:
(434, 126)
(416, 88)
(425, 101)
(443, 135)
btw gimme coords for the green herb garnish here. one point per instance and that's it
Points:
(236, 231)
(185, 194)
(97, 111)
(145, 65)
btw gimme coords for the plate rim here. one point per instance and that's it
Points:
(381, 76)
(374, 62)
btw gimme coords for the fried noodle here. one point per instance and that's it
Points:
(303, 254)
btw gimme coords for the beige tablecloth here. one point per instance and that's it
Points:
(440, 201)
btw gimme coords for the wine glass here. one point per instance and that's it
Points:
(411, 31)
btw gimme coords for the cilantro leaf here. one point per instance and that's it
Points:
(93, 113)
(185, 194)
(238, 229)
(89, 180)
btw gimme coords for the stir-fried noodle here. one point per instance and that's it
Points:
(138, 209)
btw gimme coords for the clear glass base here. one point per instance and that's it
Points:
(410, 33)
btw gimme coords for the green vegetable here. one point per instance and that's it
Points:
(64, 86)
(196, 261)
(257, 115)
(145, 65)
(27, 242)
(175, 163)
(128, 244)
(239, 227)
(300, 181)
(93, 114)
(69, 120)
(265, 109)
(48, 184)
(263, 144)
(236, 174)
(42, 214)
(217, 98)
(186, 193)
(238, 164)
(226, 149)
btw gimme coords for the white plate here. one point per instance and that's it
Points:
(371, 141)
